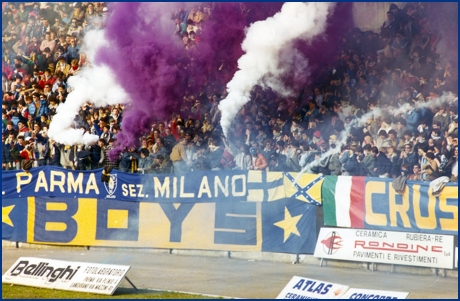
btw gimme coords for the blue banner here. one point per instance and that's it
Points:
(231, 211)
(189, 187)
(14, 219)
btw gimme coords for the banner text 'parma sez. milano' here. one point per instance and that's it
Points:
(232, 211)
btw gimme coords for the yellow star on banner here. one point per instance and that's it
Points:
(289, 224)
(6, 215)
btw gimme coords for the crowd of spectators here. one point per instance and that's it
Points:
(317, 132)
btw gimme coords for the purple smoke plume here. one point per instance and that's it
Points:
(145, 58)
(323, 48)
(142, 61)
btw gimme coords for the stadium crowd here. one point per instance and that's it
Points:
(397, 67)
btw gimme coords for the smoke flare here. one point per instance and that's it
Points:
(263, 43)
(93, 83)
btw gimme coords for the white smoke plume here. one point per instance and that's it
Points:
(445, 98)
(431, 103)
(93, 83)
(342, 138)
(263, 43)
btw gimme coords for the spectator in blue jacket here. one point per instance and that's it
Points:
(412, 118)
(144, 161)
(382, 165)
(42, 109)
(349, 161)
(7, 145)
(54, 153)
(408, 156)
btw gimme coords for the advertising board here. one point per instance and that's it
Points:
(414, 249)
(306, 288)
(66, 275)
(360, 293)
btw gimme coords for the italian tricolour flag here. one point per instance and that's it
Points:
(343, 201)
